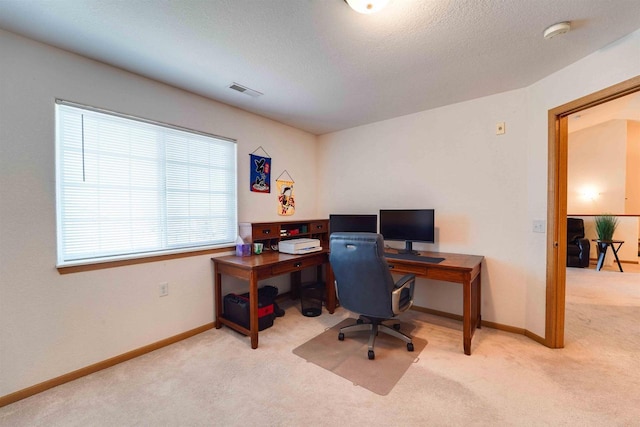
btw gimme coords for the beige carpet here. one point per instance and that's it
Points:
(216, 379)
(349, 358)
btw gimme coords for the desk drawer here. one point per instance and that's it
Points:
(406, 268)
(318, 227)
(298, 264)
(267, 231)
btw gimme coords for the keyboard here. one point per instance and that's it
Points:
(413, 257)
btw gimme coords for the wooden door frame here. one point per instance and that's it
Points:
(557, 203)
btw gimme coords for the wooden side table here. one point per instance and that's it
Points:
(602, 246)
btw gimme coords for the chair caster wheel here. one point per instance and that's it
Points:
(410, 346)
(396, 326)
(341, 336)
(371, 355)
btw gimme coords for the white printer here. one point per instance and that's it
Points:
(299, 246)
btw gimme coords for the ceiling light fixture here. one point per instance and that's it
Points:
(555, 29)
(367, 6)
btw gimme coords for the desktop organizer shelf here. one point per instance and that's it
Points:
(271, 233)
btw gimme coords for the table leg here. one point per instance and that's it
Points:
(478, 302)
(615, 253)
(466, 316)
(295, 280)
(602, 251)
(331, 289)
(253, 308)
(218, 299)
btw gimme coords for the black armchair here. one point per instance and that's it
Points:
(365, 286)
(578, 248)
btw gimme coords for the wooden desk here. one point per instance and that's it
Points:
(456, 268)
(259, 267)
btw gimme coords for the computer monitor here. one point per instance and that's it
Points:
(409, 225)
(353, 223)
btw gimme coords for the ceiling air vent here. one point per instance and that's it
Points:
(243, 89)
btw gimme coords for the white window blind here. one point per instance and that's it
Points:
(128, 187)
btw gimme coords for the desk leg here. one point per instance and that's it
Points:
(478, 300)
(466, 316)
(253, 308)
(330, 289)
(295, 280)
(218, 299)
(472, 317)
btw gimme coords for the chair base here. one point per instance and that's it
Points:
(375, 326)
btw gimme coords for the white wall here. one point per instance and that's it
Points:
(52, 324)
(487, 190)
(449, 159)
(597, 164)
(632, 199)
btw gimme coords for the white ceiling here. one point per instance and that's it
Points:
(321, 66)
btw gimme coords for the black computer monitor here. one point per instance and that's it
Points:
(353, 223)
(408, 225)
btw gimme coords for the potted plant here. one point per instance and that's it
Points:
(606, 226)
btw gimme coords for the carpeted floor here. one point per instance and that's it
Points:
(509, 380)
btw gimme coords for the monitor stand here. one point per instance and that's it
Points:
(408, 249)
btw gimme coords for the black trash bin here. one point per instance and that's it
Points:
(311, 298)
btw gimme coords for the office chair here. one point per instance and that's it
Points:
(365, 286)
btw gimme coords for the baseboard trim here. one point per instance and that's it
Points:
(437, 312)
(493, 325)
(538, 339)
(506, 328)
(594, 261)
(54, 382)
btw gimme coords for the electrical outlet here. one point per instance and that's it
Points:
(164, 289)
(500, 129)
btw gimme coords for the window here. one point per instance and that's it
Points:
(129, 188)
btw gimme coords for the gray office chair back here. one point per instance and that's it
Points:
(365, 282)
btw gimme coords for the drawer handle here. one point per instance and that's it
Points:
(266, 231)
(297, 264)
(319, 227)
(391, 266)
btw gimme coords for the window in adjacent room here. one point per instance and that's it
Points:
(130, 188)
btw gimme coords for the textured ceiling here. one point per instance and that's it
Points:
(321, 66)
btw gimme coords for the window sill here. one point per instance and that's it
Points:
(134, 261)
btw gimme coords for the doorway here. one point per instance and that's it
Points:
(557, 203)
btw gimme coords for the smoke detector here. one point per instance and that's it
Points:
(243, 89)
(556, 29)
(367, 6)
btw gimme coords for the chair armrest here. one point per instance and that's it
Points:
(405, 281)
(584, 245)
